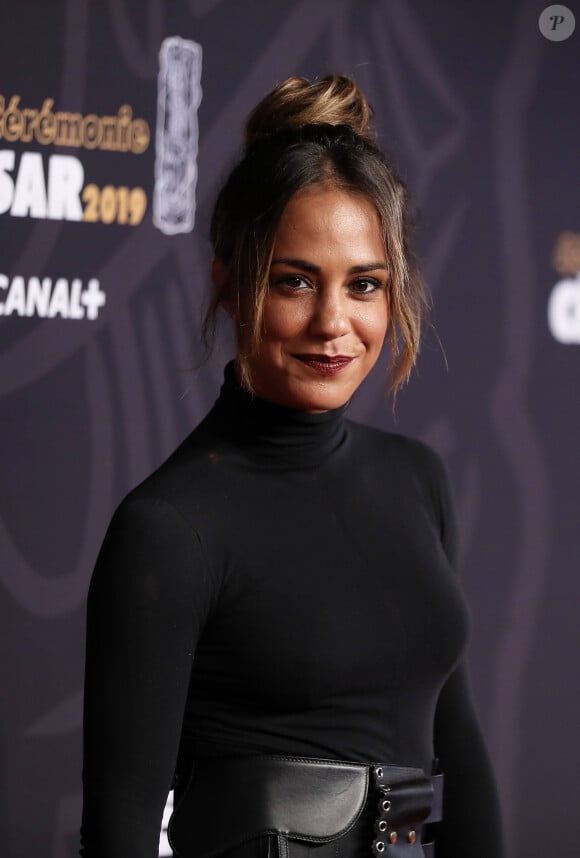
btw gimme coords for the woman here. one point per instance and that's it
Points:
(281, 593)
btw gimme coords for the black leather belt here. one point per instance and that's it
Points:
(408, 799)
(228, 801)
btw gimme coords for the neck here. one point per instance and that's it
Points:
(270, 432)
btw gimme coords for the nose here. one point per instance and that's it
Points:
(330, 317)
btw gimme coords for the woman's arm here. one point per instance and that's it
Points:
(147, 600)
(471, 825)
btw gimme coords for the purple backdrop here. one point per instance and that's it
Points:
(101, 286)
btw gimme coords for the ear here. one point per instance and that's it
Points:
(219, 278)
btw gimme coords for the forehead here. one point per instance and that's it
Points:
(326, 217)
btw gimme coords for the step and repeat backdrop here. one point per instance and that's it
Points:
(117, 122)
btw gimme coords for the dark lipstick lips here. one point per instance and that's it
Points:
(326, 364)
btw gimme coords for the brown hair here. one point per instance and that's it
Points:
(335, 100)
(303, 134)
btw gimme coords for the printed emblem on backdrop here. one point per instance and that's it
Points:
(41, 184)
(45, 185)
(176, 141)
(564, 301)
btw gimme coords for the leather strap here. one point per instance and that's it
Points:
(229, 801)
(406, 802)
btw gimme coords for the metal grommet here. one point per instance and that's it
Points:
(380, 846)
(379, 772)
(412, 836)
(386, 805)
(393, 837)
(382, 825)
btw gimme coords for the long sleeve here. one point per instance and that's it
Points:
(148, 597)
(293, 553)
(471, 825)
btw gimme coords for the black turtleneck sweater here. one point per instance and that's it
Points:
(283, 584)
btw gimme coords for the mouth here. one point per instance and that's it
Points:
(325, 364)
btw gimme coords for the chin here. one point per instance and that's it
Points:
(314, 400)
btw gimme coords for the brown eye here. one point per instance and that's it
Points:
(365, 286)
(292, 282)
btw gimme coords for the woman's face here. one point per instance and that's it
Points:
(325, 314)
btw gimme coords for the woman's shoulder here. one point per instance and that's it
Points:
(395, 446)
(415, 468)
(180, 481)
(156, 524)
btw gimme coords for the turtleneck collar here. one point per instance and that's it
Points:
(273, 434)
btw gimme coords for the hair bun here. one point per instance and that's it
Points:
(334, 100)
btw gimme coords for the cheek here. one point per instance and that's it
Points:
(283, 319)
(374, 326)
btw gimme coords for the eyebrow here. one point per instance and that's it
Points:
(315, 269)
